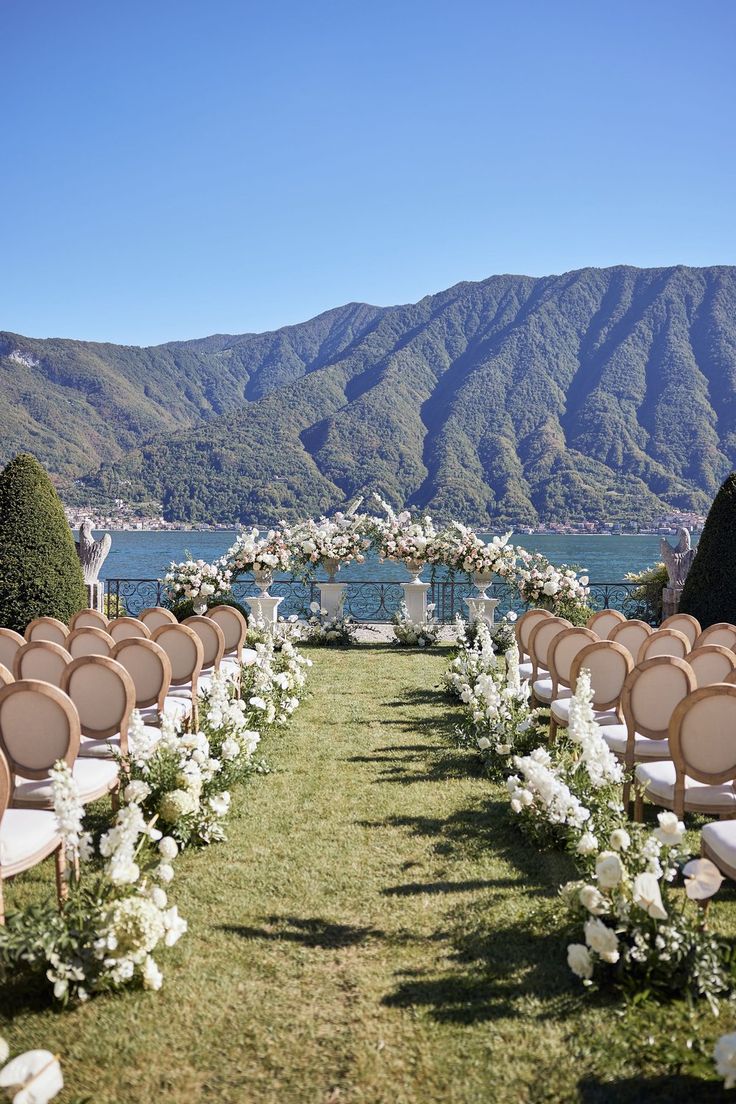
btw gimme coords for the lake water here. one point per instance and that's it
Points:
(143, 555)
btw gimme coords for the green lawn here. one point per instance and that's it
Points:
(375, 931)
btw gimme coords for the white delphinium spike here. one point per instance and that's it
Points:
(69, 813)
(513, 678)
(600, 763)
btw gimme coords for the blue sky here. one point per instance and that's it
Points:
(174, 168)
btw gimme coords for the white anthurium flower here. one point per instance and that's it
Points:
(671, 831)
(33, 1077)
(702, 879)
(724, 1056)
(647, 895)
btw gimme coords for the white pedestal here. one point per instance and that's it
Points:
(265, 608)
(415, 597)
(331, 598)
(481, 609)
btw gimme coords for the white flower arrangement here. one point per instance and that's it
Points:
(253, 552)
(197, 581)
(400, 537)
(340, 539)
(414, 634)
(325, 630)
(543, 584)
(461, 549)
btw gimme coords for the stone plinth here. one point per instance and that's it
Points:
(96, 596)
(415, 598)
(482, 609)
(671, 596)
(332, 598)
(265, 608)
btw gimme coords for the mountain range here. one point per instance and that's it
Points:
(600, 393)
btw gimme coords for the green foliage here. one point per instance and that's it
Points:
(40, 573)
(182, 610)
(710, 588)
(648, 594)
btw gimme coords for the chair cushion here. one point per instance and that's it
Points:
(94, 778)
(26, 837)
(230, 668)
(178, 708)
(105, 749)
(526, 670)
(659, 779)
(720, 838)
(615, 736)
(560, 710)
(543, 690)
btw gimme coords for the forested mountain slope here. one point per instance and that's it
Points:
(598, 393)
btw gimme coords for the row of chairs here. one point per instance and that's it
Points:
(58, 705)
(672, 717)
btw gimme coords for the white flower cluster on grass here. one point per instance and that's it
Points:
(414, 634)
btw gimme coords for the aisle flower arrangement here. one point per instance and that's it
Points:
(402, 538)
(329, 542)
(414, 634)
(198, 582)
(272, 687)
(322, 629)
(461, 549)
(115, 916)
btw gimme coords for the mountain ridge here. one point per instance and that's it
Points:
(596, 393)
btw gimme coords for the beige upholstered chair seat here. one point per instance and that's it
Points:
(204, 683)
(230, 667)
(560, 710)
(106, 749)
(27, 836)
(178, 708)
(526, 670)
(644, 748)
(718, 842)
(659, 779)
(543, 690)
(94, 779)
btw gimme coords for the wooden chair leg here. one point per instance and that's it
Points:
(639, 808)
(2, 902)
(626, 798)
(552, 728)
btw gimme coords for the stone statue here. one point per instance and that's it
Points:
(92, 554)
(678, 560)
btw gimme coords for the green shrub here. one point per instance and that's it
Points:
(182, 610)
(710, 588)
(648, 593)
(40, 573)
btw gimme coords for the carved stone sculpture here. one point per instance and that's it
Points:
(678, 561)
(92, 554)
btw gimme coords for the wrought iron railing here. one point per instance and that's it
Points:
(365, 599)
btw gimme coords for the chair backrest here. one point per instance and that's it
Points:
(610, 665)
(664, 642)
(185, 652)
(564, 649)
(525, 624)
(212, 638)
(684, 623)
(604, 622)
(701, 736)
(47, 628)
(89, 640)
(711, 663)
(127, 628)
(6, 675)
(88, 619)
(155, 616)
(6, 788)
(149, 667)
(540, 641)
(631, 634)
(104, 694)
(651, 692)
(235, 627)
(10, 642)
(41, 660)
(722, 633)
(39, 724)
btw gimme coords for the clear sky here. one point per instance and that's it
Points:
(174, 168)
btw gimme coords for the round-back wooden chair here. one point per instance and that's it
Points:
(723, 633)
(684, 623)
(235, 629)
(562, 652)
(89, 619)
(127, 628)
(104, 694)
(700, 777)
(184, 650)
(150, 669)
(631, 634)
(540, 642)
(609, 665)
(42, 660)
(39, 725)
(212, 639)
(523, 629)
(155, 616)
(664, 642)
(89, 640)
(604, 622)
(6, 675)
(711, 663)
(47, 628)
(10, 643)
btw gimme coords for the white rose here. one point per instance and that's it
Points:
(593, 900)
(579, 960)
(484, 743)
(609, 869)
(671, 830)
(602, 939)
(620, 839)
(587, 844)
(168, 848)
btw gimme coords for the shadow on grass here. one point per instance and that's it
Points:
(667, 1088)
(412, 889)
(308, 931)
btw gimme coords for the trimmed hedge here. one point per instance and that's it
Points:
(710, 588)
(40, 572)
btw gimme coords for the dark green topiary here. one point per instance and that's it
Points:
(710, 588)
(40, 573)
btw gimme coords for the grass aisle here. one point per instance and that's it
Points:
(373, 932)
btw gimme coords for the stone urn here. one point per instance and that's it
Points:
(263, 580)
(331, 566)
(481, 581)
(415, 568)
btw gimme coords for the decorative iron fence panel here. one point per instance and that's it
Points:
(365, 599)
